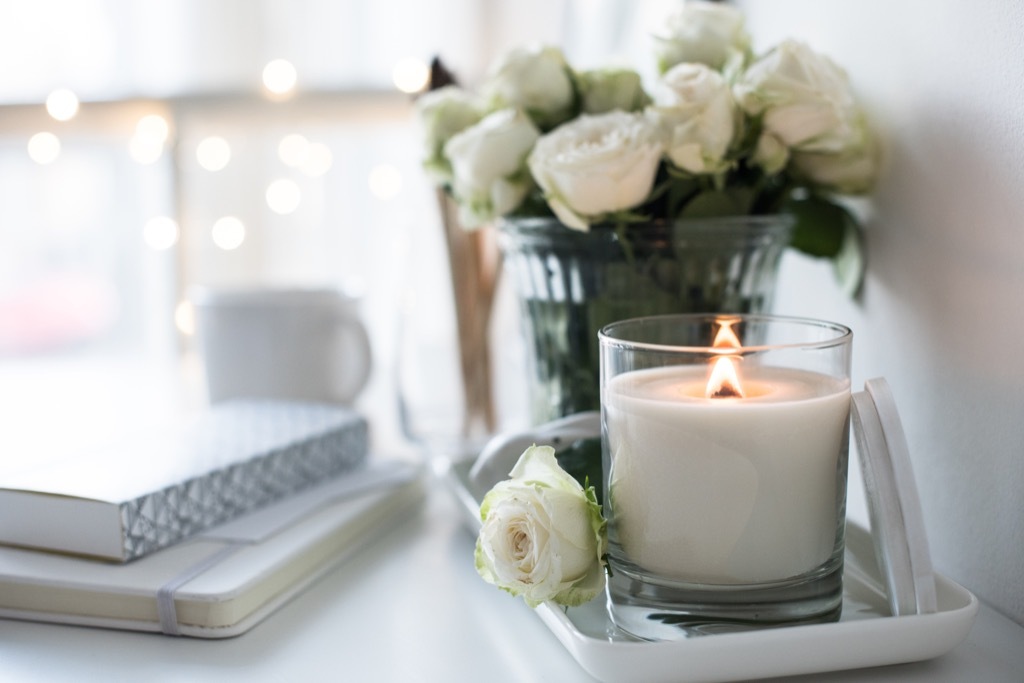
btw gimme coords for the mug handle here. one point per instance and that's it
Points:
(346, 387)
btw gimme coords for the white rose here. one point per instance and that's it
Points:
(441, 114)
(489, 177)
(535, 78)
(697, 117)
(596, 165)
(543, 536)
(853, 170)
(704, 32)
(770, 154)
(604, 90)
(804, 98)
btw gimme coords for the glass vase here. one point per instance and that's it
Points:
(571, 283)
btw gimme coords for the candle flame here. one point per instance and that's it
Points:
(724, 381)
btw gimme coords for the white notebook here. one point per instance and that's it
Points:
(153, 489)
(222, 582)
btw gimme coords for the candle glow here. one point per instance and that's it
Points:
(724, 381)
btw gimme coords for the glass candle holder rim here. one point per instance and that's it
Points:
(844, 334)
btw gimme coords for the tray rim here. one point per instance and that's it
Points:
(875, 641)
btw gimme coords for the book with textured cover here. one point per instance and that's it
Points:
(151, 491)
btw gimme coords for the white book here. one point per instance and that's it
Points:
(145, 493)
(221, 582)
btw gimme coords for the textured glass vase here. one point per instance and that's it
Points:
(571, 283)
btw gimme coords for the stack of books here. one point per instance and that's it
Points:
(202, 530)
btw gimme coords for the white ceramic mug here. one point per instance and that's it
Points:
(297, 344)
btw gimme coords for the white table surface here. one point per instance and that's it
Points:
(410, 607)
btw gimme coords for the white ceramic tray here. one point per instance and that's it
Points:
(866, 635)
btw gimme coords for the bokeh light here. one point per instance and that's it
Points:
(44, 148)
(160, 232)
(283, 196)
(62, 104)
(279, 77)
(228, 233)
(213, 153)
(410, 75)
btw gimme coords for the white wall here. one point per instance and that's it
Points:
(942, 313)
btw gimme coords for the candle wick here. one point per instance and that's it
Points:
(726, 391)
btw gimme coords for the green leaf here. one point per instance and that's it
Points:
(827, 230)
(733, 201)
(709, 204)
(849, 263)
(820, 226)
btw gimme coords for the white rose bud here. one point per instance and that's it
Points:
(853, 170)
(543, 536)
(696, 116)
(603, 90)
(488, 161)
(441, 114)
(703, 32)
(804, 98)
(535, 78)
(596, 165)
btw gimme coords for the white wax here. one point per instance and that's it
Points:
(726, 490)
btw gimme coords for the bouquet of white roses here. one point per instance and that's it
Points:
(722, 132)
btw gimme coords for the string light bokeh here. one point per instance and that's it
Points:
(152, 140)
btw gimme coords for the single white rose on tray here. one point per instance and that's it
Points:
(488, 161)
(543, 536)
(595, 166)
(697, 116)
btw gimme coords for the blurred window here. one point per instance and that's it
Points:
(150, 145)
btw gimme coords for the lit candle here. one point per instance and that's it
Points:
(727, 472)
